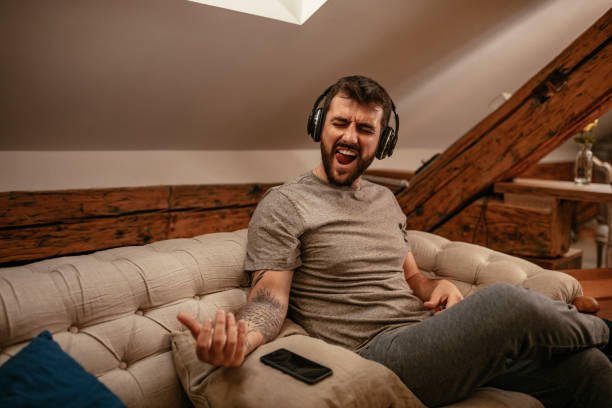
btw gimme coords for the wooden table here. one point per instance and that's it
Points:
(539, 192)
(564, 190)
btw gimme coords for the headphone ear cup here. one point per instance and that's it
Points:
(317, 124)
(309, 125)
(384, 144)
(392, 143)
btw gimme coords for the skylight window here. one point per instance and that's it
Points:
(290, 11)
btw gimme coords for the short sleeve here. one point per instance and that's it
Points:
(404, 228)
(403, 224)
(274, 234)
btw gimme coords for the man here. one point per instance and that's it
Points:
(331, 248)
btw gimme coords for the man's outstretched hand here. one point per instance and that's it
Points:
(222, 345)
(444, 295)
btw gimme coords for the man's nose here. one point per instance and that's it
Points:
(350, 134)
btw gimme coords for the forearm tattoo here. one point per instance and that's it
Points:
(264, 313)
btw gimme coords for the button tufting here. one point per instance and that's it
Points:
(140, 312)
(74, 329)
(122, 365)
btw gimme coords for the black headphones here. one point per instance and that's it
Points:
(388, 137)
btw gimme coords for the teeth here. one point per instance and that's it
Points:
(347, 152)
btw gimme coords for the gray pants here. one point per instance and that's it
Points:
(506, 337)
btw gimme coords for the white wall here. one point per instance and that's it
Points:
(54, 170)
(60, 170)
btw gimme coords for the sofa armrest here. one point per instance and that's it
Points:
(473, 267)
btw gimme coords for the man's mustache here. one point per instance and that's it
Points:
(348, 146)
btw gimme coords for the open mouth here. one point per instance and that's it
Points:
(345, 156)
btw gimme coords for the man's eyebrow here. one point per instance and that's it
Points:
(366, 125)
(360, 124)
(340, 118)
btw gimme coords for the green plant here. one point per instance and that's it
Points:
(584, 137)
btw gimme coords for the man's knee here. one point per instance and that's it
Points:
(505, 293)
(516, 302)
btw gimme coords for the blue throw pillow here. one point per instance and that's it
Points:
(43, 375)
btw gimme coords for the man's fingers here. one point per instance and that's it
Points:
(433, 302)
(437, 303)
(240, 352)
(203, 342)
(221, 345)
(453, 300)
(191, 323)
(219, 338)
(232, 338)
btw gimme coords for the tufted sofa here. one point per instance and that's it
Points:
(114, 310)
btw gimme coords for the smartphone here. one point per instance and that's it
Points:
(296, 366)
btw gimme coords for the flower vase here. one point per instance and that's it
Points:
(583, 168)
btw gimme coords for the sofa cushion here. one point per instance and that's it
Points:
(41, 374)
(355, 382)
(472, 267)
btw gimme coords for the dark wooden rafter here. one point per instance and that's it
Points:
(574, 89)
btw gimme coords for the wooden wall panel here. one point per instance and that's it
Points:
(551, 171)
(511, 229)
(216, 196)
(21, 208)
(191, 223)
(38, 242)
(38, 225)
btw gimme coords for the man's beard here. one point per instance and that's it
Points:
(328, 157)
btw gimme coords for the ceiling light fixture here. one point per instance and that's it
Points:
(290, 11)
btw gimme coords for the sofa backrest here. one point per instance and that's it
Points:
(473, 267)
(113, 310)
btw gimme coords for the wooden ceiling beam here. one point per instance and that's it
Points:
(572, 90)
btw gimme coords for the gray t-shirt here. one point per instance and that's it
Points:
(347, 246)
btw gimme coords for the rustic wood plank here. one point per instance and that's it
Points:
(34, 243)
(551, 171)
(567, 190)
(572, 259)
(584, 212)
(217, 195)
(395, 174)
(572, 90)
(191, 223)
(594, 274)
(36, 225)
(394, 180)
(558, 171)
(20, 208)
(516, 230)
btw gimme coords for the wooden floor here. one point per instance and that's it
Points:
(598, 284)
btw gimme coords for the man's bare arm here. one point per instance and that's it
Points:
(266, 308)
(436, 294)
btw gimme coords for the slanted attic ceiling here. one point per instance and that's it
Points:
(160, 74)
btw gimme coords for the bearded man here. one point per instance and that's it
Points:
(330, 249)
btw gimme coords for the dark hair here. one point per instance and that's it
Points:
(364, 91)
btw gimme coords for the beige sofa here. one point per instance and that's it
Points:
(114, 311)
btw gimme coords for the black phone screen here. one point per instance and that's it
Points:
(296, 366)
